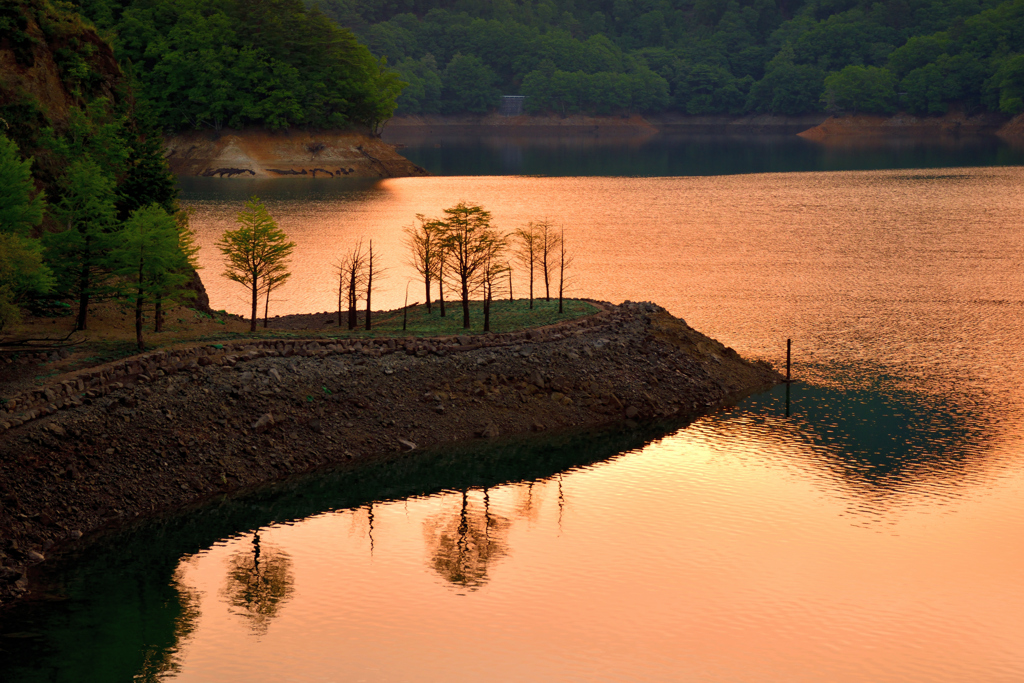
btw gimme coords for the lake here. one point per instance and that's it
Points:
(864, 525)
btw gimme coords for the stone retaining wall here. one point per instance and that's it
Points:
(82, 387)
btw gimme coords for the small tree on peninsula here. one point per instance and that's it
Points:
(527, 251)
(425, 252)
(255, 252)
(470, 245)
(351, 280)
(565, 262)
(492, 275)
(547, 252)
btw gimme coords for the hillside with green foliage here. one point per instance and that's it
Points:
(241, 63)
(698, 56)
(82, 173)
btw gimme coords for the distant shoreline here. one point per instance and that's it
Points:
(816, 127)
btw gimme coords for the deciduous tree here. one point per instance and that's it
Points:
(256, 251)
(425, 252)
(351, 280)
(469, 242)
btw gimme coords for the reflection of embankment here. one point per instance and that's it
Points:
(878, 443)
(122, 589)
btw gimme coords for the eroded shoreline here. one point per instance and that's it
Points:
(145, 445)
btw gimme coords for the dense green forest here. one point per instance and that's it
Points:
(698, 56)
(237, 63)
(282, 63)
(88, 207)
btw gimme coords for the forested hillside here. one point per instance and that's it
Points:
(240, 63)
(698, 56)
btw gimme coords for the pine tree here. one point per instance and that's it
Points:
(79, 254)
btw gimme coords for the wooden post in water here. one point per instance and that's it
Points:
(789, 355)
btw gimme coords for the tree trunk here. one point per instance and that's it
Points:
(352, 300)
(158, 315)
(426, 281)
(465, 303)
(440, 291)
(341, 288)
(255, 303)
(487, 310)
(266, 309)
(138, 312)
(83, 296)
(531, 280)
(369, 286)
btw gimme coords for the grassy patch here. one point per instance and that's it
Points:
(506, 316)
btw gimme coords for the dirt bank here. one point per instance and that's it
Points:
(1013, 131)
(954, 123)
(211, 420)
(261, 153)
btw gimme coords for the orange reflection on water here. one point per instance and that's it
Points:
(710, 555)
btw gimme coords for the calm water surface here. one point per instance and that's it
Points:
(873, 533)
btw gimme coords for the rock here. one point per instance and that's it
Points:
(408, 445)
(538, 426)
(274, 374)
(316, 426)
(489, 431)
(55, 429)
(465, 340)
(34, 556)
(632, 412)
(264, 423)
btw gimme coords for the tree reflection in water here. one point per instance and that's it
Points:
(259, 583)
(463, 543)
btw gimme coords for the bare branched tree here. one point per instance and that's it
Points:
(492, 275)
(526, 252)
(372, 271)
(564, 263)
(547, 252)
(351, 280)
(425, 253)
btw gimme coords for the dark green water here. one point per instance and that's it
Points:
(453, 154)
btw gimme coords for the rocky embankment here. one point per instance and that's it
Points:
(163, 431)
(284, 154)
(954, 123)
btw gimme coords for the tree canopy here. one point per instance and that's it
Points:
(270, 63)
(697, 56)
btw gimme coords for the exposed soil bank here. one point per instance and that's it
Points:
(577, 124)
(261, 153)
(952, 124)
(218, 421)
